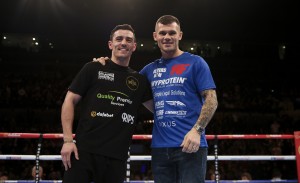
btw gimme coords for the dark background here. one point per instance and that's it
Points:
(86, 24)
(256, 88)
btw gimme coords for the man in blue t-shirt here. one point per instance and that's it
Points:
(185, 100)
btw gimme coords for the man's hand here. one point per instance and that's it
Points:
(191, 141)
(66, 152)
(102, 60)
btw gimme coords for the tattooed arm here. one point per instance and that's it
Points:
(191, 141)
(209, 107)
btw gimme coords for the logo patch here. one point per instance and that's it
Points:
(101, 114)
(158, 72)
(178, 69)
(127, 118)
(176, 103)
(132, 83)
(116, 98)
(106, 76)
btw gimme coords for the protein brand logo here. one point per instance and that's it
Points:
(178, 69)
(169, 81)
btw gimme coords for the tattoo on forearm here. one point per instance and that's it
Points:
(209, 107)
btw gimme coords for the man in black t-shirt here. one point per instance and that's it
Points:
(110, 96)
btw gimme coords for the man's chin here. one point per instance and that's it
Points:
(168, 49)
(124, 56)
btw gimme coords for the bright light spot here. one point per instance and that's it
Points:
(4, 37)
(192, 48)
(142, 45)
(36, 43)
(33, 39)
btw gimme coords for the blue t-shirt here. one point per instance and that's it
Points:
(176, 86)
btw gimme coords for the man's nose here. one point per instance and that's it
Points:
(124, 42)
(167, 36)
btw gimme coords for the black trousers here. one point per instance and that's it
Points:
(95, 168)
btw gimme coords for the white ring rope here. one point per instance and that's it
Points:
(148, 158)
(151, 181)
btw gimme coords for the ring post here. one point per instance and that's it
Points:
(128, 167)
(297, 152)
(217, 176)
(37, 159)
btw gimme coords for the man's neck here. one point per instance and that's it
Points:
(173, 54)
(121, 61)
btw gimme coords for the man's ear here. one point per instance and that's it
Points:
(154, 36)
(180, 35)
(109, 45)
(134, 48)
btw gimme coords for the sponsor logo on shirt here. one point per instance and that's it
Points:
(116, 98)
(167, 124)
(178, 69)
(101, 114)
(132, 83)
(167, 93)
(106, 76)
(159, 112)
(159, 104)
(176, 113)
(127, 118)
(158, 72)
(168, 82)
(176, 103)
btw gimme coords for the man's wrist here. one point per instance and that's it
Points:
(199, 129)
(69, 141)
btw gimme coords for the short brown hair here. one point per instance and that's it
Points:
(167, 19)
(121, 27)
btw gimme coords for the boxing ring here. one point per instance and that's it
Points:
(216, 158)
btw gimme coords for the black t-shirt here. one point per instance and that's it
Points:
(111, 96)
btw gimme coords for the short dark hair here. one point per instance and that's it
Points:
(121, 27)
(167, 19)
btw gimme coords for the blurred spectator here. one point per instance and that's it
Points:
(276, 175)
(3, 177)
(37, 170)
(275, 126)
(246, 176)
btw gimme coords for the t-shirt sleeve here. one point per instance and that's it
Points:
(203, 77)
(148, 92)
(81, 82)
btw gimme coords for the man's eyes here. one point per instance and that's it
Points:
(127, 39)
(165, 33)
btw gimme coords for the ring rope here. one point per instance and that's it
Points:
(39, 157)
(148, 158)
(149, 137)
(206, 181)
